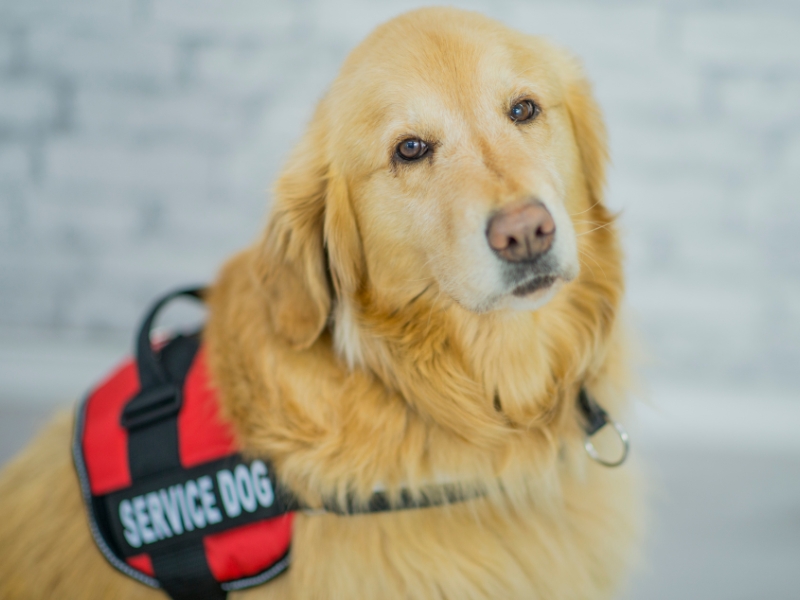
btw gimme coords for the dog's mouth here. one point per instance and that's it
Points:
(539, 282)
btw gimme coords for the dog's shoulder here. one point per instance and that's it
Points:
(47, 547)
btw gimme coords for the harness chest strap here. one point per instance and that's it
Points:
(172, 503)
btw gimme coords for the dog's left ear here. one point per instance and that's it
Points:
(289, 261)
(311, 243)
(588, 128)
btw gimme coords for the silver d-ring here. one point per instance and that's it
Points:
(626, 446)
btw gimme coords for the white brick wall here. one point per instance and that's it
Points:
(26, 105)
(756, 37)
(138, 138)
(13, 164)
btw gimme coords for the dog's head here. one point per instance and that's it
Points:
(450, 154)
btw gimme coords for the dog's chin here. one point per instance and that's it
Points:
(526, 294)
(533, 294)
(540, 283)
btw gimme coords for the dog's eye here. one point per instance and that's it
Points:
(523, 111)
(412, 149)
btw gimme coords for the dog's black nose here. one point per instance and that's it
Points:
(521, 232)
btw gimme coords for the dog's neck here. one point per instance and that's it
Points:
(516, 367)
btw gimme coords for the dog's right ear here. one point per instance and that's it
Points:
(289, 260)
(588, 127)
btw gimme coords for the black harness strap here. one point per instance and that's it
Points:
(184, 574)
(151, 419)
(594, 416)
(381, 502)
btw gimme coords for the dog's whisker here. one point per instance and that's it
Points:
(582, 253)
(587, 210)
(593, 230)
(588, 223)
(594, 260)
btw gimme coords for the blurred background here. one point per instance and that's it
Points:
(138, 140)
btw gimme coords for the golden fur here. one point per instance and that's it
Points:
(350, 349)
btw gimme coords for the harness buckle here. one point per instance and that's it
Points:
(151, 405)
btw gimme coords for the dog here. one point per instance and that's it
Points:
(438, 280)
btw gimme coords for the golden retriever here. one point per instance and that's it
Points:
(438, 278)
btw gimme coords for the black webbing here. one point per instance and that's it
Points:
(153, 442)
(151, 418)
(594, 417)
(151, 371)
(381, 501)
(184, 574)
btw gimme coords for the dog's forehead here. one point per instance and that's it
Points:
(442, 81)
(451, 61)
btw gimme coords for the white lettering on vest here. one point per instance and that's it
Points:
(156, 513)
(244, 488)
(130, 531)
(195, 504)
(196, 512)
(262, 484)
(227, 489)
(142, 520)
(170, 504)
(177, 492)
(208, 500)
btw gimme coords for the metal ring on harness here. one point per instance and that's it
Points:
(595, 455)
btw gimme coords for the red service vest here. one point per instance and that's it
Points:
(170, 500)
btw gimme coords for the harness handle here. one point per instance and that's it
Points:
(159, 397)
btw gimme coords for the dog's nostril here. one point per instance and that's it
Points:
(521, 232)
(544, 230)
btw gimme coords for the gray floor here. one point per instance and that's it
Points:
(723, 526)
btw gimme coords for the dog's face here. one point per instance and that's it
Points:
(450, 153)
(459, 152)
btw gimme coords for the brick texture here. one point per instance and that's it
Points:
(138, 139)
